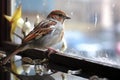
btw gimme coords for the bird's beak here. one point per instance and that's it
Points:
(66, 17)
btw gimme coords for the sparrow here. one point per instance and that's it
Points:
(47, 33)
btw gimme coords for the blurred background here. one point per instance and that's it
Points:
(94, 28)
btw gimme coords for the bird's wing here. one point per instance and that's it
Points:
(43, 28)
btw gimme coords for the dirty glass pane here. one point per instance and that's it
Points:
(94, 28)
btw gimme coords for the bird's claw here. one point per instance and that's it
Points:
(51, 51)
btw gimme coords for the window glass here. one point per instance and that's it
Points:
(94, 28)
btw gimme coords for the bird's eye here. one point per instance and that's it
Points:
(60, 15)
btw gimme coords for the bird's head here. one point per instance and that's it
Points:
(58, 15)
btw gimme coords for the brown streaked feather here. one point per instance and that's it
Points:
(41, 29)
(41, 33)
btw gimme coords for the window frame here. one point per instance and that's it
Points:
(5, 8)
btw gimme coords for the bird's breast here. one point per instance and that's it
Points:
(50, 39)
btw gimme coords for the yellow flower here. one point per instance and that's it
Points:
(14, 20)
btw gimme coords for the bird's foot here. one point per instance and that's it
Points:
(51, 51)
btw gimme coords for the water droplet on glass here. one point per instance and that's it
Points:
(88, 27)
(44, 4)
(72, 13)
(96, 19)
